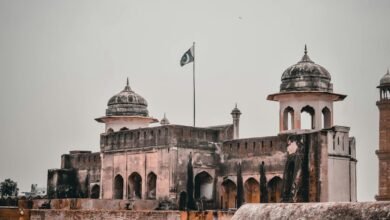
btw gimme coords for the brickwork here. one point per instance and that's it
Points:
(384, 150)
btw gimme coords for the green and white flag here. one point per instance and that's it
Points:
(187, 57)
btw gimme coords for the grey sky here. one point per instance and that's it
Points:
(60, 62)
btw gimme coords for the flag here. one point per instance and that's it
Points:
(187, 57)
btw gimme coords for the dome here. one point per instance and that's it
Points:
(236, 111)
(306, 76)
(127, 103)
(385, 80)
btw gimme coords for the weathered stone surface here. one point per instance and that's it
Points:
(332, 210)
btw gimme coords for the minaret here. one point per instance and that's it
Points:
(236, 122)
(384, 138)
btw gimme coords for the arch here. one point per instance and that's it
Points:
(307, 117)
(95, 191)
(252, 190)
(110, 130)
(228, 194)
(124, 129)
(288, 118)
(203, 186)
(274, 189)
(135, 186)
(151, 185)
(183, 200)
(118, 187)
(326, 118)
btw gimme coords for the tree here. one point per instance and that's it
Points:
(9, 188)
(240, 187)
(190, 185)
(263, 184)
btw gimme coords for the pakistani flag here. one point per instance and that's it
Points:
(187, 57)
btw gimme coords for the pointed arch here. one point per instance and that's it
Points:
(326, 118)
(228, 194)
(307, 117)
(151, 185)
(95, 191)
(252, 190)
(274, 189)
(135, 186)
(288, 118)
(118, 187)
(203, 186)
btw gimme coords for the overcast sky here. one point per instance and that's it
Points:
(60, 62)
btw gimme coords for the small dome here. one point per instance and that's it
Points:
(127, 103)
(164, 121)
(385, 80)
(306, 76)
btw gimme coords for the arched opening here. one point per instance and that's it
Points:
(274, 189)
(124, 129)
(118, 187)
(288, 118)
(151, 185)
(326, 118)
(307, 117)
(203, 186)
(228, 194)
(95, 192)
(252, 191)
(182, 201)
(135, 186)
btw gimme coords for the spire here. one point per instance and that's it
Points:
(164, 120)
(305, 57)
(305, 49)
(127, 87)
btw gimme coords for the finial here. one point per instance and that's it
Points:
(388, 71)
(127, 87)
(236, 104)
(305, 49)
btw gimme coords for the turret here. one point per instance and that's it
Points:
(236, 122)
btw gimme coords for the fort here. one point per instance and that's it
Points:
(144, 163)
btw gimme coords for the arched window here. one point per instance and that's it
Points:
(203, 186)
(151, 184)
(274, 189)
(252, 191)
(228, 194)
(307, 117)
(118, 187)
(95, 191)
(288, 118)
(135, 186)
(326, 118)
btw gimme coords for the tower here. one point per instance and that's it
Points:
(236, 122)
(126, 110)
(306, 88)
(384, 138)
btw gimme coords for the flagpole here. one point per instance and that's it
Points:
(193, 75)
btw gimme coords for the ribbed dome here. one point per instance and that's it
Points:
(385, 80)
(306, 76)
(127, 103)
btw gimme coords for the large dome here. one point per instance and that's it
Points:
(385, 80)
(127, 103)
(306, 76)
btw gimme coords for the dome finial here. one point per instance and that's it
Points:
(388, 71)
(305, 49)
(127, 87)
